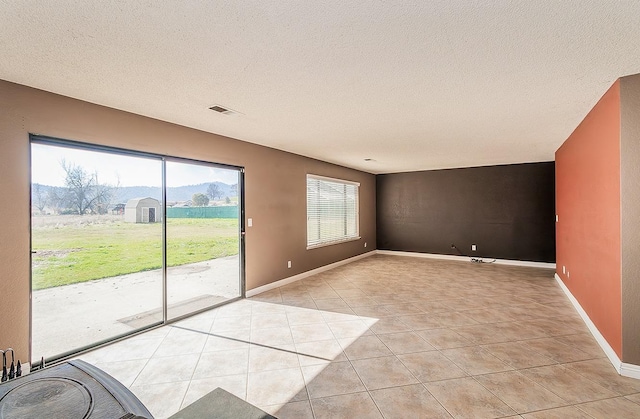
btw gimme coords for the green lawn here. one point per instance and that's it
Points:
(79, 252)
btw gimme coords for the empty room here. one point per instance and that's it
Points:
(397, 209)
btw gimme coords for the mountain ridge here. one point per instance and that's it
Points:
(125, 193)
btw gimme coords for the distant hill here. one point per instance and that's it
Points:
(174, 194)
(129, 192)
(184, 193)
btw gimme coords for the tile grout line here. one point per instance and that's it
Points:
(150, 358)
(197, 362)
(491, 298)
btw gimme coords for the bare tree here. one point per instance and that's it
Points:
(39, 197)
(55, 199)
(213, 191)
(84, 193)
(102, 201)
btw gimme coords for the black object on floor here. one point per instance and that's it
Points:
(74, 389)
(220, 404)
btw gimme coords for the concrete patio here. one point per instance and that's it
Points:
(77, 315)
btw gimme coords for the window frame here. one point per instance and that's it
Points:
(345, 238)
(160, 214)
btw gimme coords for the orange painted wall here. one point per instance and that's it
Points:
(588, 207)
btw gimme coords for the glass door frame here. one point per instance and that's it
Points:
(241, 236)
(54, 141)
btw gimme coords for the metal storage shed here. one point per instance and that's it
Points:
(142, 210)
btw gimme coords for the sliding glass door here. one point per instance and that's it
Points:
(122, 241)
(96, 270)
(203, 236)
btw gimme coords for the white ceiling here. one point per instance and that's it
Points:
(413, 84)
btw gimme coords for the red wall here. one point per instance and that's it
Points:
(588, 207)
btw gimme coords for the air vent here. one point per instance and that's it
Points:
(220, 109)
(224, 110)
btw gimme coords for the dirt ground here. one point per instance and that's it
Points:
(58, 221)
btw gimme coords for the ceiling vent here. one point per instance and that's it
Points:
(220, 109)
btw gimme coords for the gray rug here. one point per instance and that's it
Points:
(220, 404)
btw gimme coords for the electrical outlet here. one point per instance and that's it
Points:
(556, 218)
(568, 276)
(365, 244)
(473, 247)
(249, 222)
(564, 270)
(289, 264)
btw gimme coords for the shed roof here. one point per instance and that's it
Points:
(133, 203)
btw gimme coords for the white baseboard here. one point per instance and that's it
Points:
(630, 370)
(467, 259)
(264, 288)
(627, 370)
(294, 278)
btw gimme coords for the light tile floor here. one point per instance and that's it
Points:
(386, 336)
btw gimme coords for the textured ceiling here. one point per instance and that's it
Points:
(412, 84)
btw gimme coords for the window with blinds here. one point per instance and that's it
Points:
(332, 211)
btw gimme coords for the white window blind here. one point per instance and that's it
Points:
(332, 211)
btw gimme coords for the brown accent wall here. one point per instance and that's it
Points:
(630, 202)
(506, 211)
(275, 192)
(588, 207)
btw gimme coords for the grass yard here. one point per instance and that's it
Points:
(78, 249)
